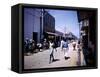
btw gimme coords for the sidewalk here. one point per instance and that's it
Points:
(41, 59)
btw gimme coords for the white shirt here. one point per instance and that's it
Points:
(51, 47)
(62, 42)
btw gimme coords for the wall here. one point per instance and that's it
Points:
(49, 23)
(31, 23)
(5, 38)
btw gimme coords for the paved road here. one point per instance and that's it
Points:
(41, 59)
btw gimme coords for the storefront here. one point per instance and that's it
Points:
(87, 24)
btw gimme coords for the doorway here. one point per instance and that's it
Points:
(35, 36)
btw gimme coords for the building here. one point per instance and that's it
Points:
(58, 37)
(48, 26)
(87, 24)
(38, 24)
(70, 36)
(32, 24)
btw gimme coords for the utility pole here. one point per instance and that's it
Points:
(64, 31)
(42, 16)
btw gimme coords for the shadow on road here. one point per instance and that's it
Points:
(66, 58)
(56, 60)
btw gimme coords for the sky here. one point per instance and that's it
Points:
(66, 21)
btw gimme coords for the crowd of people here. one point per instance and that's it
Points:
(64, 46)
(31, 46)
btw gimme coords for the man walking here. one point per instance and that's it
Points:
(51, 51)
(65, 46)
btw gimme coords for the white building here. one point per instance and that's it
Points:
(32, 24)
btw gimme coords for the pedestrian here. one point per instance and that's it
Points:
(79, 46)
(51, 46)
(45, 44)
(39, 45)
(74, 45)
(33, 46)
(65, 48)
(30, 46)
(61, 44)
(55, 46)
(79, 53)
(26, 45)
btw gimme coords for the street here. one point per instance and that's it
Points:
(41, 59)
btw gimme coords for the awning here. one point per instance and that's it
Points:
(52, 33)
